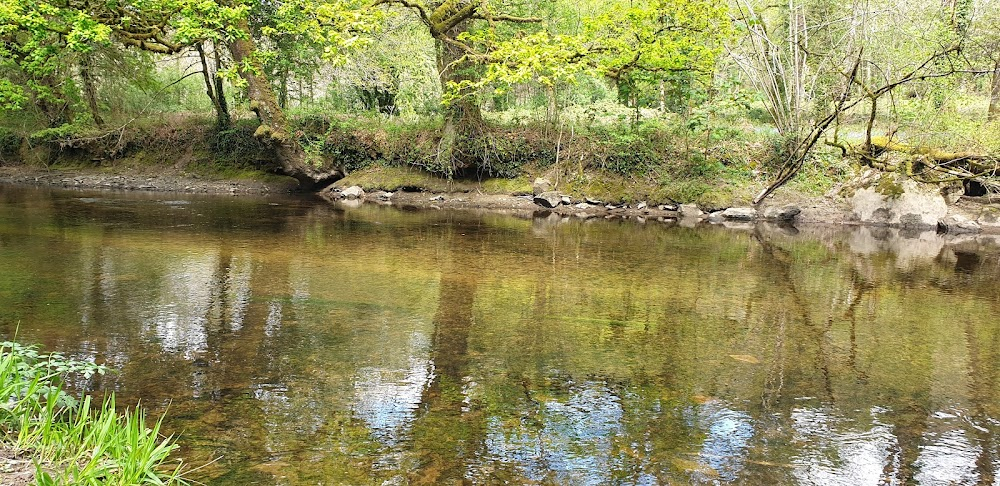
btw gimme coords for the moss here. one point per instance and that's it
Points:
(517, 186)
(889, 187)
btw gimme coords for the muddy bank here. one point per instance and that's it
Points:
(153, 180)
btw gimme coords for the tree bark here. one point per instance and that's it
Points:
(220, 92)
(90, 89)
(463, 120)
(222, 119)
(273, 127)
(994, 112)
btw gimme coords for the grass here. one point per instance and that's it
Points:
(75, 441)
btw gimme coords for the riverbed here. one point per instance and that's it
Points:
(290, 341)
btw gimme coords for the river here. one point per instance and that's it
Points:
(293, 342)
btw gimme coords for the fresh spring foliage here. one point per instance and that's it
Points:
(75, 441)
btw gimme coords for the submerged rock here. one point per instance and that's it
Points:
(548, 199)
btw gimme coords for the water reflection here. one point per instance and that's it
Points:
(303, 344)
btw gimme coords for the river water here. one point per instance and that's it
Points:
(292, 342)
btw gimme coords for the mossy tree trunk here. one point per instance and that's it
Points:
(90, 88)
(274, 128)
(463, 119)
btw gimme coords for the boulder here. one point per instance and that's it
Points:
(783, 213)
(642, 205)
(958, 224)
(583, 205)
(549, 199)
(541, 185)
(566, 200)
(690, 211)
(353, 192)
(895, 200)
(740, 214)
(989, 219)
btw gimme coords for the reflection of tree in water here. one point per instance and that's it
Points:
(448, 432)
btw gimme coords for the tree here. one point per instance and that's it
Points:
(37, 32)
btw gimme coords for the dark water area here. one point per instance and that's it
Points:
(292, 342)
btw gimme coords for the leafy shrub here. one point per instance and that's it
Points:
(10, 142)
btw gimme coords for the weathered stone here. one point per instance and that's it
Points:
(541, 185)
(642, 205)
(353, 192)
(667, 207)
(595, 202)
(690, 211)
(716, 217)
(958, 224)
(437, 198)
(783, 213)
(566, 200)
(548, 199)
(385, 196)
(740, 214)
(583, 205)
(895, 200)
(952, 192)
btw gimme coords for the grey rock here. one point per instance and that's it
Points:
(895, 200)
(783, 213)
(667, 207)
(353, 192)
(690, 211)
(958, 224)
(716, 217)
(595, 202)
(437, 198)
(583, 205)
(385, 196)
(740, 214)
(540, 186)
(642, 205)
(548, 199)
(952, 192)
(566, 200)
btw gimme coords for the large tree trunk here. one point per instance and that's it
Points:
(994, 112)
(273, 124)
(463, 121)
(90, 89)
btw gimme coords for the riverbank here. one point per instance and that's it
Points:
(603, 196)
(409, 189)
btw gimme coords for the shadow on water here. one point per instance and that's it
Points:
(292, 342)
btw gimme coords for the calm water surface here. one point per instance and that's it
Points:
(292, 342)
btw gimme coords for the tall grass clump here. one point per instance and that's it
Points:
(75, 441)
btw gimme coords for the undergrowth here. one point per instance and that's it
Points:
(73, 441)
